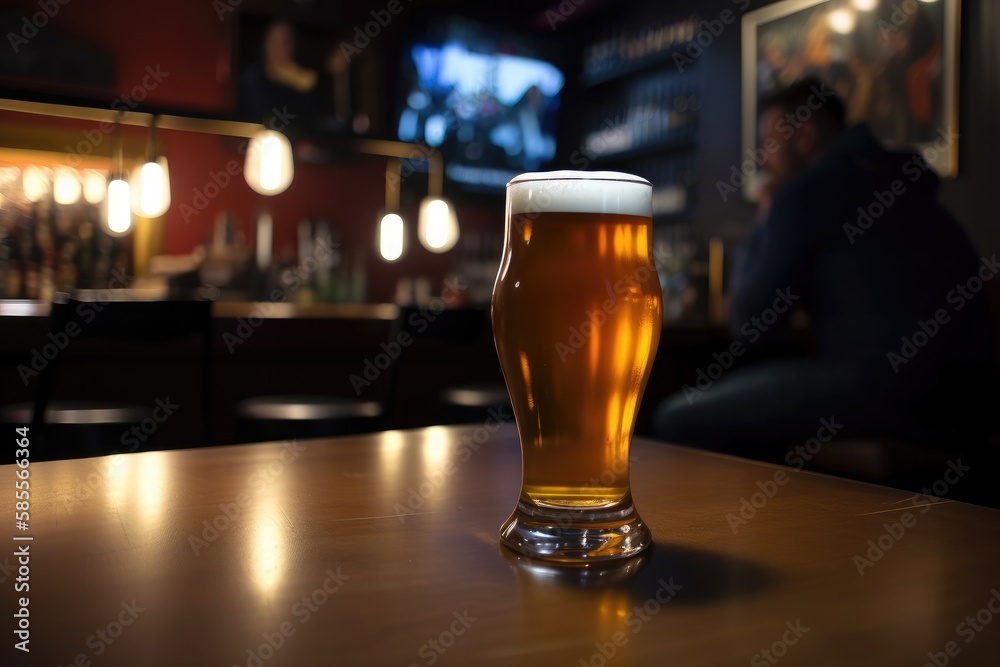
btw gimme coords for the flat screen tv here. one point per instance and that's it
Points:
(486, 99)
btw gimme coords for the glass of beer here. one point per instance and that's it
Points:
(576, 318)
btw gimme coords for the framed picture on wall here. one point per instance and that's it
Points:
(894, 62)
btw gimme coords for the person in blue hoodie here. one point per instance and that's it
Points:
(853, 235)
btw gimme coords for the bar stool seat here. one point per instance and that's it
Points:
(472, 402)
(286, 417)
(76, 412)
(75, 429)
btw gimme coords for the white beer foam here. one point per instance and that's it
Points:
(580, 192)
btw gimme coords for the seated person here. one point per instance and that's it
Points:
(854, 235)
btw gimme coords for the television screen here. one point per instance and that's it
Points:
(488, 102)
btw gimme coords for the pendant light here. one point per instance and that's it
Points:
(437, 225)
(151, 182)
(269, 167)
(391, 228)
(118, 209)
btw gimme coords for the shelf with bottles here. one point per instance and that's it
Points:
(675, 182)
(47, 246)
(623, 50)
(656, 114)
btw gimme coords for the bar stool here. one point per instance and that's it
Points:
(290, 416)
(264, 418)
(77, 427)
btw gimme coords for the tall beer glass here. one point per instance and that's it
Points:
(576, 317)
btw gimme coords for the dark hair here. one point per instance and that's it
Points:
(804, 93)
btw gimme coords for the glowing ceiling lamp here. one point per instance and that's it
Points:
(95, 186)
(66, 187)
(269, 167)
(118, 208)
(437, 226)
(35, 182)
(151, 183)
(842, 20)
(391, 228)
(391, 234)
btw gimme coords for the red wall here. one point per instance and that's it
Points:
(187, 41)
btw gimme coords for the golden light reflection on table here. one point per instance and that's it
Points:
(390, 455)
(151, 475)
(268, 543)
(139, 480)
(435, 447)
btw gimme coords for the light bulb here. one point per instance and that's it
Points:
(119, 208)
(437, 226)
(269, 167)
(35, 183)
(391, 237)
(95, 186)
(865, 5)
(151, 189)
(842, 20)
(66, 186)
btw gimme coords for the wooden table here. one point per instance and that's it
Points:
(382, 550)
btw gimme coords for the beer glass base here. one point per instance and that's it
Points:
(574, 536)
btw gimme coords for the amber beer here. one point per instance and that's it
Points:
(576, 317)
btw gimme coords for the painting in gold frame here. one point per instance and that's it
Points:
(894, 62)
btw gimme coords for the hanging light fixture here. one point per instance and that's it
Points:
(118, 209)
(269, 168)
(391, 229)
(391, 232)
(35, 182)
(66, 187)
(151, 182)
(437, 226)
(95, 186)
